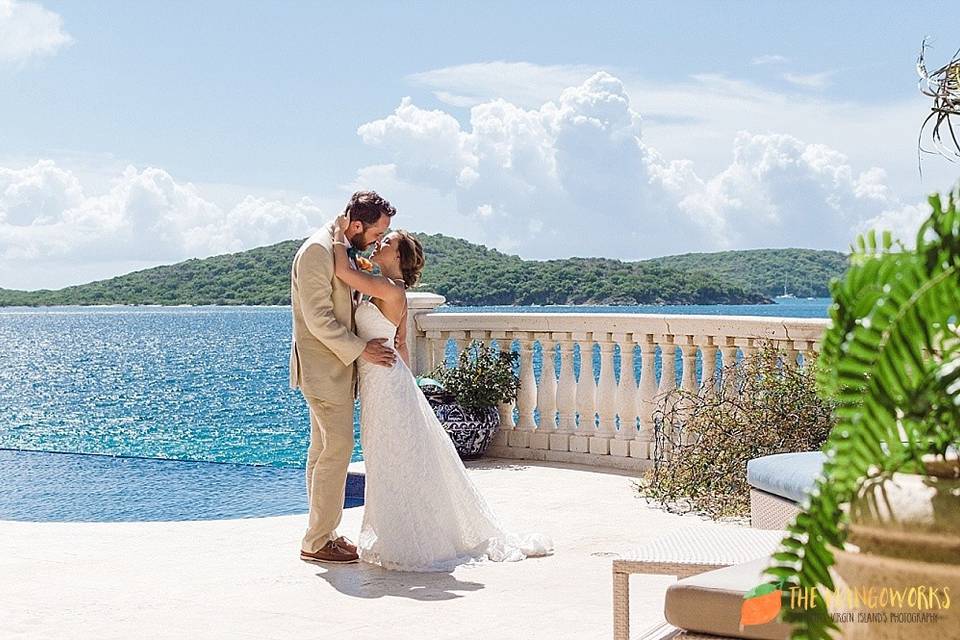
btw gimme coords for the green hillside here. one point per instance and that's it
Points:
(805, 272)
(471, 274)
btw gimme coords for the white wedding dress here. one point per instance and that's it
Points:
(421, 511)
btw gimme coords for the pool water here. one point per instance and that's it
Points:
(62, 487)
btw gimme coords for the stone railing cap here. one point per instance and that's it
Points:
(777, 328)
(424, 300)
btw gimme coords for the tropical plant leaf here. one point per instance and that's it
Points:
(890, 360)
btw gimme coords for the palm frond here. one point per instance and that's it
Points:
(891, 362)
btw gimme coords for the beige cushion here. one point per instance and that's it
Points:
(710, 602)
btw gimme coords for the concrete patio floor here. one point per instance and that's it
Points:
(244, 578)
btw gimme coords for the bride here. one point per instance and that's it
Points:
(422, 512)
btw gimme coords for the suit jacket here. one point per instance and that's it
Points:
(325, 347)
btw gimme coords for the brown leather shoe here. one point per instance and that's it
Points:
(344, 543)
(330, 553)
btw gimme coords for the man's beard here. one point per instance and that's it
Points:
(358, 242)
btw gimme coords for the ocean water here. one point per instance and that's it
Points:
(789, 307)
(186, 383)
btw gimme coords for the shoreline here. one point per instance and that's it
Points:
(767, 303)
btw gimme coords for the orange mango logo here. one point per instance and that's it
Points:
(760, 605)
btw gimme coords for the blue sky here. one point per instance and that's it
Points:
(134, 134)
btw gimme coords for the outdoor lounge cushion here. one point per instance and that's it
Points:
(788, 475)
(710, 602)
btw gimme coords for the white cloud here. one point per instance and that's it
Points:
(697, 118)
(436, 136)
(418, 208)
(28, 30)
(517, 169)
(809, 80)
(902, 222)
(522, 83)
(780, 192)
(572, 177)
(770, 58)
(48, 218)
(456, 101)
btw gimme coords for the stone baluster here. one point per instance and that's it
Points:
(688, 377)
(527, 396)
(546, 394)
(566, 396)
(688, 383)
(419, 305)
(435, 343)
(626, 398)
(748, 347)
(505, 409)
(478, 336)
(668, 383)
(586, 396)
(778, 355)
(729, 353)
(708, 368)
(668, 365)
(647, 400)
(809, 351)
(792, 349)
(606, 396)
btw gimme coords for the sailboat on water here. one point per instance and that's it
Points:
(785, 295)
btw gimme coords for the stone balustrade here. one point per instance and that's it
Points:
(598, 417)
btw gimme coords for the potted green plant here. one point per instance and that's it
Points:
(466, 406)
(885, 513)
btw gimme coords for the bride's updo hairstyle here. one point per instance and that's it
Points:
(411, 257)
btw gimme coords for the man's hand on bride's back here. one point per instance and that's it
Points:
(376, 352)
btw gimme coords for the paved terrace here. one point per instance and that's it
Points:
(244, 579)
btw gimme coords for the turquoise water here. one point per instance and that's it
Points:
(790, 308)
(70, 487)
(188, 383)
(200, 383)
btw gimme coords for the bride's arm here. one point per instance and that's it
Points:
(375, 286)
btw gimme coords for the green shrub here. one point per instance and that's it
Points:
(483, 377)
(703, 441)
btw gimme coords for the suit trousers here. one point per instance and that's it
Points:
(331, 446)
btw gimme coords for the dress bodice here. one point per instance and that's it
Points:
(372, 324)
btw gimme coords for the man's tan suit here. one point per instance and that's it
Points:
(322, 365)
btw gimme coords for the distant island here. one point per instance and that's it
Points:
(470, 274)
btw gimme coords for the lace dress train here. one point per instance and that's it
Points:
(422, 512)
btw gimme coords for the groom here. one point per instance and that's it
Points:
(322, 365)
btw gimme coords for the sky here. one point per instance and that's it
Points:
(134, 133)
